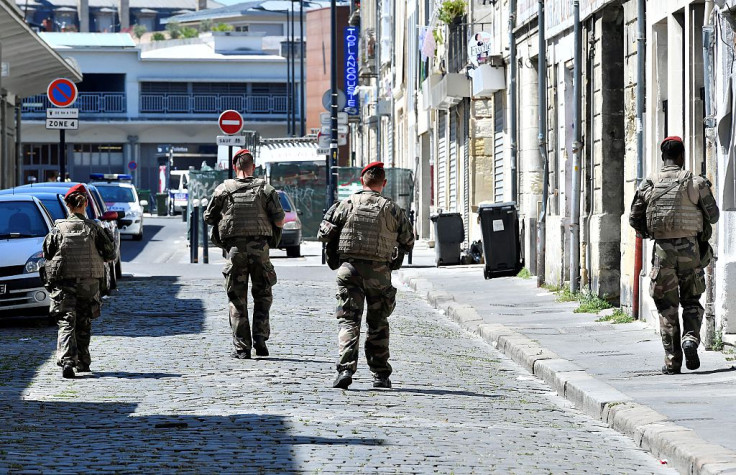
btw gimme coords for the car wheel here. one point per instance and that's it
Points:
(138, 237)
(293, 251)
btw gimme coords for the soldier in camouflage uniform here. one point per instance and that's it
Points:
(76, 250)
(244, 212)
(373, 235)
(675, 208)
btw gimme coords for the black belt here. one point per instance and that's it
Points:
(360, 261)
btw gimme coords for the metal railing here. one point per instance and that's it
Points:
(457, 47)
(212, 103)
(87, 103)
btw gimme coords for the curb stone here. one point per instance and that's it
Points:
(681, 447)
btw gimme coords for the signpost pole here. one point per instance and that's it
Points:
(333, 157)
(62, 155)
(230, 161)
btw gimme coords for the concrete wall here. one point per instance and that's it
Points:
(628, 237)
(605, 149)
(725, 304)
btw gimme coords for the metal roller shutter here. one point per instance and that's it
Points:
(453, 160)
(442, 161)
(498, 136)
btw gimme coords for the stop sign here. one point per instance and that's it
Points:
(230, 122)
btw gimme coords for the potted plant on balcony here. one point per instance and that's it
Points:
(451, 11)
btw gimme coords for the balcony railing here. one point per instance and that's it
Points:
(212, 103)
(87, 103)
(457, 47)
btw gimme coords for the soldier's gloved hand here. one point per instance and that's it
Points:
(397, 259)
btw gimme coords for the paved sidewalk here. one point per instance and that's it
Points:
(612, 372)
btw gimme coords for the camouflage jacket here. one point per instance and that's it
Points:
(698, 189)
(338, 215)
(104, 243)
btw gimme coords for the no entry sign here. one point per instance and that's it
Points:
(230, 122)
(62, 92)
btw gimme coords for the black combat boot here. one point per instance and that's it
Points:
(259, 343)
(381, 381)
(68, 370)
(241, 354)
(82, 368)
(666, 370)
(344, 379)
(690, 348)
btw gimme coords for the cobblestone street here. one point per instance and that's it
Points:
(165, 396)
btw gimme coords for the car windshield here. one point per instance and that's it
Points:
(174, 181)
(285, 202)
(55, 208)
(117, 194)
(21, 219)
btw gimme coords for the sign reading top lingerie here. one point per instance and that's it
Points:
(352, 37)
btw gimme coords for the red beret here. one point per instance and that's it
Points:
(78, 188)
(371, 165)
(240, 152)
(674, 138)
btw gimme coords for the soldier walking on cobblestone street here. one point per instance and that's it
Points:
(76, 250)
(676, 209)
(247, 218)
(372, 234)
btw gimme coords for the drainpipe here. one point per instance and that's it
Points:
(710, 281)
(512, 95)
(18, 144)
(542, 139)
(641, 42)
(377, 52)
(576, 152)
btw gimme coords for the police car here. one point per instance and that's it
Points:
(120, 195)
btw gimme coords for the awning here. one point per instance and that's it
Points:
(32, 63)
(288, 150)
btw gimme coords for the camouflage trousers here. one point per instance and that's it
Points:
(74, 303)
(249, 259)
(359, 282)
(677, 279)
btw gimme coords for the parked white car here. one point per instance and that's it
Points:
(123, 197)
(24, 223)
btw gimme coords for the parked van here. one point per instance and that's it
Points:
(178, 191)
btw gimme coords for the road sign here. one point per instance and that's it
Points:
(327, 99)
(230, 122)
(132, 165)
(231, 140)
(323, 151)
(62, 124)
(62, 92)
(326, 119)
(323, 140)
(341, 129)
(70, 113)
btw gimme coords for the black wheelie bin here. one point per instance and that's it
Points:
(449, 233)
(501, 248)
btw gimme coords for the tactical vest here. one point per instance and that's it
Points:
(244, 213)
(77, 257)
(367, 233)
(670, 211)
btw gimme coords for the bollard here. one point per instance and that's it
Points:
(205, 237)
(324, 245)
(411, 219)
(190, 237)
(194, 231)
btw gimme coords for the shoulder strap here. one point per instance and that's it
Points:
(680, 179)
